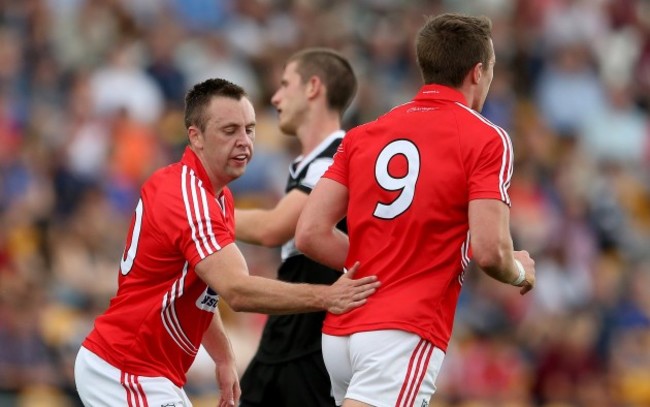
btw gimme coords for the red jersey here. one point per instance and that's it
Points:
(410, 175)
(155, 323)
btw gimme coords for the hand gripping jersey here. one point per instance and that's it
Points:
(411, 174)
(155, 323)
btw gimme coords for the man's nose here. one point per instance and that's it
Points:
(244, 139)
(275, 99)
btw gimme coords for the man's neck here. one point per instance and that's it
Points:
(313, 133)
(217, 184)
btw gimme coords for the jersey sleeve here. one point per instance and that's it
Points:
(491, 166)
(338, 170)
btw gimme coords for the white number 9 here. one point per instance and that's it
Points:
(405, 184)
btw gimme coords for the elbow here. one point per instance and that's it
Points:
(302, 242)
(304, 239)
(262, 234)
(491, 255)
(268, 235)
(271, 240)
(237, 301)
(490, 260)
(237, 304)
(235, 295)
(311, 236)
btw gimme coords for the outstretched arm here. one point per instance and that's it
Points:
(270, 227)
(226, 272)
(492, 248)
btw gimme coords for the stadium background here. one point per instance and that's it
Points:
(91, 98)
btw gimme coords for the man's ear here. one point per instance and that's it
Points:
(314, 87)
(195, 137)
(477, 73)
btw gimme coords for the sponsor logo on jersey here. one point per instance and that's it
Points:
(208, 301)
(424, 403)
(420, 109)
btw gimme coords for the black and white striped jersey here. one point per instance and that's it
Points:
(304, 173)
(288, 337)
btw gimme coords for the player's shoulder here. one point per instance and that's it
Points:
(165, 176)
(391, 118)
(362, 131)
(327, 148)
(359, 129)
(469, 120)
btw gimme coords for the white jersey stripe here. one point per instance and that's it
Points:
(198, 214)
(172, 313)
(172, 326)
(168, 328)
(177, 292)
(506, 175)
(171, 329)
(181, 282)
(512, 158)
(464, 257)
(173, 316)
(188, 210)
(464, 252)
(468, 242)
(206, 214)
(506, 170)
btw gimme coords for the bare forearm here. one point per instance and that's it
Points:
(226, 272)
(269, 296)
(216, 342)
(492, 246)
(249, 225)
(316, 233)
(270, 228)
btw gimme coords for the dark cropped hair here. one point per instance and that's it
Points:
(198, 99)
(449, 45)
(333, 70)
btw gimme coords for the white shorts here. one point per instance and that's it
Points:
(382, 368)
(101, 384)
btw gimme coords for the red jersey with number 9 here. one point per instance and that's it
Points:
(155, 323)
(410, 175)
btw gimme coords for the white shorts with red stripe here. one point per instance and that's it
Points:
(100, 384)
(388, 368)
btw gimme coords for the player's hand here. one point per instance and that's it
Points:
(529, 266)
(228, 380)
(347, 293)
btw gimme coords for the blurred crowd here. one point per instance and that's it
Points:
(91, 102)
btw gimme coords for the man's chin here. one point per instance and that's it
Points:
(287, 130)
(237, 172)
